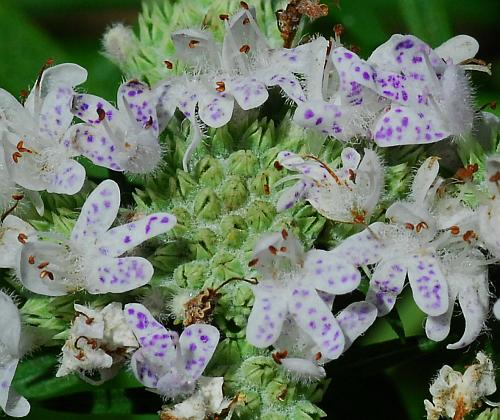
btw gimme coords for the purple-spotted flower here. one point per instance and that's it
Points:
(166, 363)
(346, 194)
(429, 92)
(99, 340)
(36, 137)
(240, 70)
(289, 288)
(304, 361)
(123, 139)
(90, 258)
(11, 350)
(408, 246)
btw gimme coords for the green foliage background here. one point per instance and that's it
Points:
(387, 375)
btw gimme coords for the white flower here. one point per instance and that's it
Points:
(56, 266)
(489, 212)
(98, 341)
(241, 70)
(11, 350)
(14, 233)
(430, 93)
(168, 364)
(123, 139)
(36, 140)
(206, 401)
(454, 394)
(288, 289)
(347, 194)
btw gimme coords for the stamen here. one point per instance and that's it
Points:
(91, 341)
(101, 114)
(469, 235)
(23, 238)
(495, 177)
(409, 226)
(168, 64)
(282, 395)
(352, 175)
(16, 156)
(250, 281)
(246, 21)
(284, 234)
(20, 147)
(89, 319)
(272, 249)
(454, 230)
(43, 265)
(45, 66)
(17, 198)
(278, 166)
(329, 170)
(80, 356)
(492, 105)
(31, 260)
(420, 226)
(279, 356)
(338, 29)
(244, 5)
(317, 356)
(47, 273)
(224, 16)
(253, 262)
(193, 43)
(149, 123)
(358, 218)
(23, 95)
(283, 249)
(221, 86)
(466, 174)
(267, 191)
(245, 48)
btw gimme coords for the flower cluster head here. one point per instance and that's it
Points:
(454, 394)
(99, 341)
(90, 258)
(11, 351)
(166, 363)
(292, 307)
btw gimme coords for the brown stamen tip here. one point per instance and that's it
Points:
(495, 177)
(46, 273)
(282, 395)
(17, 197)
(244, 5)
(168, 64)
(246, 21)
(31, 260)
(272, 249)
(283, 249)
(253, 262)
(43, 265)
(16, 156)
(420, 226)
(193, 43)
(284, 234)
(278, 166)
(149, 123)
(409, 226)
(279, 356)
(23, 238)
(359, 219)
(245, 48)
(455, 230)
(24, 93)
(352, 175)
(470, 234)
(80, 356)
(49, 62)
(20, 147)
(221, 86)
(467, 173)
(267, 191)
(224, 16)
(317, 356)
(338, 29)
(101, 114)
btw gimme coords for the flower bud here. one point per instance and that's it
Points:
(234, 193)
(209, 172)
(243, 163)
(207, 205)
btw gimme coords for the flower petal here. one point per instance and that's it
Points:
(286, 81)
(313, 316)
(267, 316)
(10, 326)
(68, 178)
(198, 343)
(60, 268)
(458, 49)
(330, 272)
(475, 314)
(365, 247)
(55, 115)
(292, 195)
(247, 91)
(402, 125)
(12, 403)
(166, 103)
(303, 369)
(385, 285)
(123, 238)
(355, 320)
(13, 116)
(144, 370)
(215, 109)
(428, 284)
(85, 107)
(437, 328)
(98, 212)
(137, 99)
(118, 275)
(424, 178)
(10, 247)
(195, 48)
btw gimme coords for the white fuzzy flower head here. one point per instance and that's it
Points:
(166, 363)
(123, 139)
(347, 194)
(37, 136)
(90, 258)
(119, 43)
(98, 341)
(456, 394)
(11, 350)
